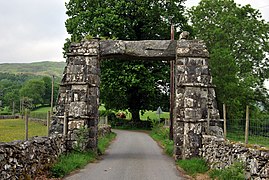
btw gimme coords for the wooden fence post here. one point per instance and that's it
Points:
(106, 120)
(208, 121)
(26, 124)
(48, 123)
(224, 122)
(65, 123)
(13, 108)
(247, 125)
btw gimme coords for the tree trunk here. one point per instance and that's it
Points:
(135, 115)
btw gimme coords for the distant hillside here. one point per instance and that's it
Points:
(47, 68)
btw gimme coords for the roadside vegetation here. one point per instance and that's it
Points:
(161, 135)
(195, 167)
(235, 172)
(77, 159)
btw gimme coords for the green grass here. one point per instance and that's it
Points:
(76, 160)
(193, 166)
(72, 161)
(161, 135)
(259, 140)
(14, 129)
(235, 172)
(42, 110)
(103, 143)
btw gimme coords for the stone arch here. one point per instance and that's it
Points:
(194, 107)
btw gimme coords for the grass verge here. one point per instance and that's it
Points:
(161, 135)
(193, 166)
(76, 160)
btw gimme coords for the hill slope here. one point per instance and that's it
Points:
(45, 68)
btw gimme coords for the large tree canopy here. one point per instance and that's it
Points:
(124, 84)
(238, 41)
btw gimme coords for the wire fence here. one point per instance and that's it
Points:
(258, 130)
(248, 131)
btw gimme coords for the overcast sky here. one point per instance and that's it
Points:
(33, 30)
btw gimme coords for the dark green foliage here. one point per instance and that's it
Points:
(125, 84)
(36, 88)
(193, 166)
(238, 40)
(123, 19)
(235, 172)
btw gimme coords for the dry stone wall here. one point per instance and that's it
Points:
(27, 159)
(221, 154)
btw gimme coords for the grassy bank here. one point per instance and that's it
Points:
(161, 135)
(76, 160)
(14, 129)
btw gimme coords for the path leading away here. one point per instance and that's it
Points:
(133, 156)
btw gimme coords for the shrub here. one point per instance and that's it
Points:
(235, 172)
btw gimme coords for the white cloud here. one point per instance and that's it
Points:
(31, 30)
(34, 30)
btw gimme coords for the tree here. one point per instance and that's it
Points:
(238, 40)
(34, 89)
(124, 84)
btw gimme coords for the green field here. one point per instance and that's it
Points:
(259, 140)
(14, 129)
(45, 68)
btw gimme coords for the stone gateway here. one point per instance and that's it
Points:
(195, 112)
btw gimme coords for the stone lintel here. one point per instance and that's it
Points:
(78, 83)
(192, 48)
(197, 120)
(196, 85)
(140, 50)
(81, 54)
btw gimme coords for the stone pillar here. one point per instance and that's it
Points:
(79, 96)
(195, 103)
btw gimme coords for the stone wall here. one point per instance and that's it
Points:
(220, 154)
(9, 117)
(103, 130)
(27, 159)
